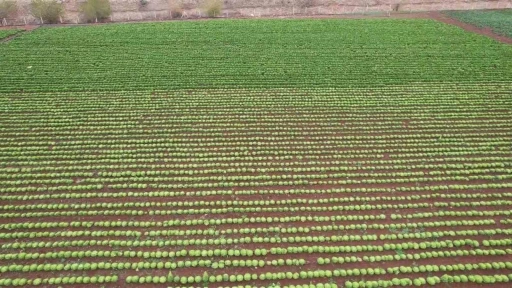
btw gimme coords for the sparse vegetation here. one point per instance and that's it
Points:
(8, 9)
(96, 10)
(49, 11)
(213, 8)
(304, 3)
(176, 8)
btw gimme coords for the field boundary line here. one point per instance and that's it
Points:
(439, 16)
(19, 33)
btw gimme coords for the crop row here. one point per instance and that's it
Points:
(184, 176)
(148, 175)
(153, 194)
(256, 240)
(204, 211)
(254, 167)
(249, 135)
(7, 282)
(248, 276)
(245, 136)
(258, 230)
(227, 128)
(259, 124)
(259, 203)
(499, 173)
(220, 264)
(266, 183)
(327, 274)
(152, 158)
(402, 152)
(247, 220)
(208, 253)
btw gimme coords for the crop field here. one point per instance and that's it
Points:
(7, 32)
(268, 153)
(500, 21)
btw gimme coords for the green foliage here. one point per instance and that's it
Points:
(500, 21)
(50, 11)
(213, 8)
(8, 32)
(96, 10)
(322, 65)
(219, 137)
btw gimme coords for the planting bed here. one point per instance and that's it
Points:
(499, 21)
(296, 153)
(4, 33)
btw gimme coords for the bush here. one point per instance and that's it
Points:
(95, 10)
(212, 8)
(50, 11)
(8, 9)
(176, 8)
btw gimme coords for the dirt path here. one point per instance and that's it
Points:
(471, 28)
(24, 29)
(392, 15)
(9, 38)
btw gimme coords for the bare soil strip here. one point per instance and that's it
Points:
(469, 27)
(24, 30)
(9, 38)
(22, 27)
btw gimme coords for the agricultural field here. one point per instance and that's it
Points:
(500, 21)
(4, 33)
(256, 153)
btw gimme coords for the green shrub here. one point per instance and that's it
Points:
(96, 10)
(8, 9)
(49, 11)
(212, 8)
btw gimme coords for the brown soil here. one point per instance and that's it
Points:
(26, 27)
(395, 15)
